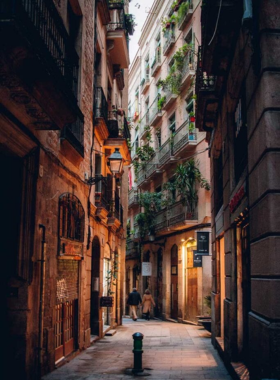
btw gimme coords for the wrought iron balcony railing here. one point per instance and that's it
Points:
(116, 4)
(117, 126)
(170, 41)
(164, 152)
(41, 23)
(100, 104)
(204, 82)
(144, 124)
(182, 137)
(133, 197)
(156, 62)
(74, 134)
(185, 17)
(102, 197)
(179, 212)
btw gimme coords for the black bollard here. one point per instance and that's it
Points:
(137, 350)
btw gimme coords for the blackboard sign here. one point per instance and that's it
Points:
(106, 301)
(197, 260)
(203, 243)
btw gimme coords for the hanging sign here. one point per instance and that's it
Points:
(197, 260)
(146, 269)
(203, 243)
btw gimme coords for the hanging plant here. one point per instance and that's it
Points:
(161, 102)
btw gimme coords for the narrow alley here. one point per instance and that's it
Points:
(171, 351)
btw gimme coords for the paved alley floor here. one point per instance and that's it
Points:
(171, 351)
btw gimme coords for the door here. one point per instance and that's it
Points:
(95, 280)
(174, 282)
(65, 315)
(158, 309)
(192, 295)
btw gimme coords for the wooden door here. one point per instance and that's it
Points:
(174, 282)
(192, 295)
(65, 314)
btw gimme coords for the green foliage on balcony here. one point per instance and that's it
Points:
(151, 203)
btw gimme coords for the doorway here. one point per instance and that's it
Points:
(158, 308)
(95, 283)
(221, 248)
(243, 289)
(174, 282)
(192, 285)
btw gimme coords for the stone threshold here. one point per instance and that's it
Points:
(237, 370)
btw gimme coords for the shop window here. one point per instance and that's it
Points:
(71, 218)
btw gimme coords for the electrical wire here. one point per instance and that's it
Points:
(216, 23)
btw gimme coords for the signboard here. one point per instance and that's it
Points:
(197, 260)
(237, 198)
(146, 269)
(106, 301)
(202, 243)
(69, 248)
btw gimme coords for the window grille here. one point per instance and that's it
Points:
(71, 218)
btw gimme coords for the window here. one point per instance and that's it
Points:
(158, 136)
(172, 124)
(240, 137)
(71, 218)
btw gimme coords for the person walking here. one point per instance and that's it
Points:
(147, 303)
(134, 299)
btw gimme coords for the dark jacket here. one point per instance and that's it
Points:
(134, 298)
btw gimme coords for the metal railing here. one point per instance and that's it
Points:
(170, 39)
(156, 61)
(41, 22)
(160, 220)
(178, 212)
(116, 4)
(151, 166)
(182, 136)
(100, 104)
(185, 15)
(164, 152)
(117, 126)
(188, 64)
(154, 108)
(141, 176)
(102, 198)
(133, 197)
(204, 82)
(144, 123)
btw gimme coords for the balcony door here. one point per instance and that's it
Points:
(174, 282)
(95, 282)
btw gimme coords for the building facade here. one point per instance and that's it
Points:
(63, 114)
(238, 106)
(164, 222)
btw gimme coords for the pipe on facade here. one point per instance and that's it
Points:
(42, 296)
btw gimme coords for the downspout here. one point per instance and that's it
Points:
(42, 296)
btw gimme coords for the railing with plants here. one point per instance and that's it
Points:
(170, 39)
(183, 135)
(204, 82)
(116, 4)
(151, 166)
(164, 152)
(132, 197)
(154, 108)
(183, 11)
(156, 60)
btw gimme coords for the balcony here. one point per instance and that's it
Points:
(155, 113)
(185, 18)
(39, 56)
(116, 4)
(100, 107)
(169, 43)
(102, 199)
(72, 135)
(180, 215)
(170, 97)
(117, 37)
(133, 198)
(151, 167)
(164, 153)
(183, 140)
(144, 125)
(131, 248)
(136, 235)
(145, 83)
(103, 10)
(161, 220)
(133, 151)
(140, 176)
(115, 216)
(188, 70)
(207, 99)
(119, 76)
(118, 135)
(177, 216)
(156, 64)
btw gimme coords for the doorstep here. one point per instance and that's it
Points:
(110, 332)
(238, 370)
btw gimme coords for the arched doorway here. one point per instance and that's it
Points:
(174, 282)
(158, 308)
(95, 280)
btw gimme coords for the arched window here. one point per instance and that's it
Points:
(71, 218)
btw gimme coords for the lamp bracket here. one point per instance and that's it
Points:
(94, 180)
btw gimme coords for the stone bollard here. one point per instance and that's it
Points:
(137, 350)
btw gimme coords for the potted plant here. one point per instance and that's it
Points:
(192, 117)
(161, 102)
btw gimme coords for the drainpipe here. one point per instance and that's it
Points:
(42, 296)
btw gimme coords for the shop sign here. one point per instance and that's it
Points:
(202, 243)
(236, 199)
(69, 248)
(106, 301)
(197, 260)
(146, 269)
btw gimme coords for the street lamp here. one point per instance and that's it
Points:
(115, 162)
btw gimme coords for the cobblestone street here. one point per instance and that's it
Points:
(171, 351)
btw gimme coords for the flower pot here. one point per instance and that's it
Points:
(167, 25)
(192, 119)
